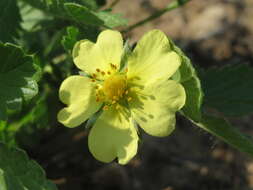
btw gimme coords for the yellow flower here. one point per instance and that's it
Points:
(140, 92)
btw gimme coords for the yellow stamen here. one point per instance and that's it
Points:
(117, 106)
(114, 87)
(108, 72)
(103, 73)
(98, 70)
(105, 107)
(129, 99)
(113, 66)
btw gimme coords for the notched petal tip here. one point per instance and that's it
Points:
(79, 95)
(76, 48)
(108, 49)
(156, 116)
(113, 137)
(63, 118)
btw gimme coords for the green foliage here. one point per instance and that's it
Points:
(18, 75)
(224, 88)
(79, 13)
(229, 89)
(68, 41)
(7, 135)
(57, 6)
(17, 172)
(111, 20)
(47, 28)
(31, 17)
(188, 77)
(223, 130)
(10, 23)
(36, 115)
(83, 15)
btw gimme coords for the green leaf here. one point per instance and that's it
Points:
(18, 172)
(50, 6)
(112, 20)
(9, 20)
(91, 4)
(188, 77)
(54, 43)
(68, 41)
(223, 130)
(57, 6)
(79, 13)
(7, 135)
(229, 89)
(82, 14)
(37, 115)
(18, 75)
(31, 17)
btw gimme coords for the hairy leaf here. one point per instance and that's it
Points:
(68, 41)
(188, 77)
(18, 172)
(229, 89)
(9, 20)
(111, 20)
(80, 12)
(18, 75)
(223, 130)
(31, 17)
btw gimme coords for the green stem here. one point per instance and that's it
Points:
(173, 5)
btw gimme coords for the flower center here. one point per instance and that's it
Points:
(115, 86)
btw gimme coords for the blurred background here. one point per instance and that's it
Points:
(211, 33)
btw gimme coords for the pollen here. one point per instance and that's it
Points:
(113, 66)
(117, 106)
(114, 87)
(105, 107)
(129, 99)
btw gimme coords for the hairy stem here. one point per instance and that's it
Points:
(173, 5)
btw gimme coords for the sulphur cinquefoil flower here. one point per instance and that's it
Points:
(139, 92)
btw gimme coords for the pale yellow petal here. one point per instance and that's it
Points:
(152, 59)
(154, 107)
(78, 92)
(113, 136)
(89, 56)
